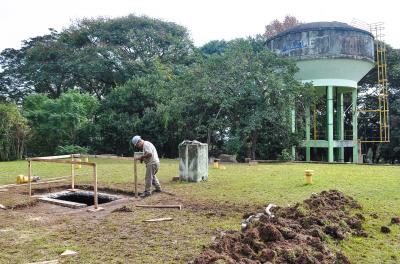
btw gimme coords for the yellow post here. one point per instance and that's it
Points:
(216, 164)
(308, 174)
(78, 166)
(96, 200)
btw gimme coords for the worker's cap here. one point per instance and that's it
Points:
(136, 139)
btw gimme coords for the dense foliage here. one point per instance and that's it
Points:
(92, 86)
(67, 120)
(13, 132)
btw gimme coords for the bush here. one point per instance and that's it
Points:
(71, 149)
(285, 155)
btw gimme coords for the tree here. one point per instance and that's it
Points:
(68, 120)
(251, 91)
(92, 55)
(275, 26)
(14, 131)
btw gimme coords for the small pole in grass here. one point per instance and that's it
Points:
(72, 173)
(29, 177)
(96, 205)
(135, 175)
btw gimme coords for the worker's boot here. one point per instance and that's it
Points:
(145, 194)
(158, 190)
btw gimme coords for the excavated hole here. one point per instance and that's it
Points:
(83, 197)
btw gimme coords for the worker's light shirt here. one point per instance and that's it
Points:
(148, 147)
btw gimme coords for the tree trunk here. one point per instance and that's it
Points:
(253, 145)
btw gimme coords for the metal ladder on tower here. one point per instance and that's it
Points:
(382, 88)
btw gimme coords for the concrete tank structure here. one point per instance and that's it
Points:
(333, 56)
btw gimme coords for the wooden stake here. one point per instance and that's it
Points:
(72, 174)
(158, 219)
(29, 177)
(177, 206)
(135, 176)
(96, 200)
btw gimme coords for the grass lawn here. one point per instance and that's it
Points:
(209, 208)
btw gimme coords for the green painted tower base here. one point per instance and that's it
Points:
(335, 144)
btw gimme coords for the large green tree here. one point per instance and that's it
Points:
(14, 131)
(249, 93)
(67, 120)
(92, 55)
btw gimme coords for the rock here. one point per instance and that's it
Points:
(68, 252)
(385, 229)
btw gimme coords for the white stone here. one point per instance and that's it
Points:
(69, 253)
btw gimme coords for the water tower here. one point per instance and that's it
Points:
(333, 56)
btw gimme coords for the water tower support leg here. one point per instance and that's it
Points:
(329, 98)
(293, 112)
(340, 124)
(354, 121)
(308, 153)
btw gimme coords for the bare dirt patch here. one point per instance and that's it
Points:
(295, 234)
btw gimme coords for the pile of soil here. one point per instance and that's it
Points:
(123, 209)
(296, 234)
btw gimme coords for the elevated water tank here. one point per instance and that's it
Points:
(327, 53)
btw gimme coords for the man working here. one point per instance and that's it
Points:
(150, 158)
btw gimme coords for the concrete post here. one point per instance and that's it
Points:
(329, 108)
(308, 153)
(354, 121)
(340, 124)
(293, 112)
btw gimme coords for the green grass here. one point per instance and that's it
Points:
(239, 186)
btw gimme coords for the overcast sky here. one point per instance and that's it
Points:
(206, 19)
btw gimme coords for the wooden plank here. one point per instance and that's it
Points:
(72, 173)
(94, 210)
(177, 206)
(135, 177)
(158, 219)
(96, 200)
(53, 157)
(33, 183)
(46, 262)
(69, 204)
(63, 161)
(29, 177)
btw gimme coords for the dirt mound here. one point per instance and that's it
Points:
(295, 234)
(395, 220)
(122, 209)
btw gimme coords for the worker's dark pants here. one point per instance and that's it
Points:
(151, 179)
